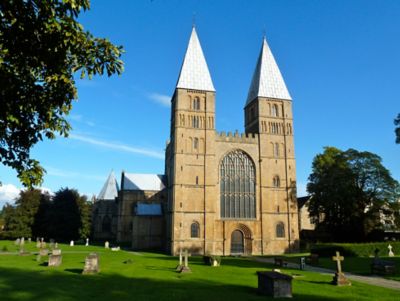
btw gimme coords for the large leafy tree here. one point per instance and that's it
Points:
(42, 46)
(397, 129)
(351, 191)
(70, 215)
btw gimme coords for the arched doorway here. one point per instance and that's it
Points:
(237, 243)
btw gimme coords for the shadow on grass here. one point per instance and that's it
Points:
(28, 285)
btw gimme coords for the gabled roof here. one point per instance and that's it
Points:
(110, 188)
(194, 72)
(134, 181)
(267, 79)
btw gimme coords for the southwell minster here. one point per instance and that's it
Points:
(221, 193)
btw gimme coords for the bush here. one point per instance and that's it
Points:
(209, 259)
(355, 249)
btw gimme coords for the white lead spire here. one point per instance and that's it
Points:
(194, 72)
(110, 188)
(267, 79)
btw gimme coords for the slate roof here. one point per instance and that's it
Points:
(110, 188)
(267, 78)
(133, 181)
(194, 71)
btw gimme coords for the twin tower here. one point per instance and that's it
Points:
(230, 194)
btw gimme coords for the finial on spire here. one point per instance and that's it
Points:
(194, 19)
(264, 32)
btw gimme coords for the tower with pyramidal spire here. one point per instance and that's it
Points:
(230, 193)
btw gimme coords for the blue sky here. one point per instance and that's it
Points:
(340, 61)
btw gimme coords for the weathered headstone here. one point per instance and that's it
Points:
(52, 244)
(114, 249)
(56, 252)
(17, 242)
(22, 241)
(180, 265)
(29, 240)
(38, 244)
(55, 260)
(91, 264)
(43, 252)
(87, 242)
(339, 279)
(56, 246)
(302, 263)
(107, 245)
(391, 254)
(275, 284)
(71, 244)
(185, 268)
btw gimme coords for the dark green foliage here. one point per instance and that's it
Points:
(42, 46)
(355, 250)
(20, 219)
(397, 129)
(70, 216)
(64, 217)
(350, 191)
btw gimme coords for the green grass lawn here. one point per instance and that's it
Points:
(152, 276)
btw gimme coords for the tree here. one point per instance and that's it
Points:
(42, 46)
(70, 216)
(397, 129)
(19, 220)
(350, 191)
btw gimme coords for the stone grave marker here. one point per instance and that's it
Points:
(391, 254)
(185, 268)
(52, 244)
(43, 252)
(114, 249)
(56, 252)
(29, 240)
(180, 265)
(17, 242)
(107, 245)
(55, 260)
(339, 279)
(91, 264)
(71, 244)
(87, 242)
(22, 241)
(274, 284)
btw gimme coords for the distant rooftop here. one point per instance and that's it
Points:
(110, 188)
(133, 181)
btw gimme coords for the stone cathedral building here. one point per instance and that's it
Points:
(222, 193)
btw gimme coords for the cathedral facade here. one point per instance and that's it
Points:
(222, 193)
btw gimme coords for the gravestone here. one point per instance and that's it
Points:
(114, 249)
(29, 240)
(339, 279)
(391, 254)
(71, 244)
(43, 252)
(52, 244)
(185, 268)
(180, 265)
(87, 242)
(55, 260)
(302, 263)
(91, 264)
(107, 245)
(56, 252)
(17, 242)
(22, 241)
(275, 284)
(56, 246)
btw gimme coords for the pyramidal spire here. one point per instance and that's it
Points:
(267, 79)
(110, 188)
(194, 72)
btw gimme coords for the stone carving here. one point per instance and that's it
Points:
(339, 279)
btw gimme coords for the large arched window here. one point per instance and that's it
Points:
(237, 186)
(195, 230)
(280, 230)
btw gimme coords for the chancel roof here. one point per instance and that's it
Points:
(194, 71)
(134, 181)
(267, 79)
(110, 188)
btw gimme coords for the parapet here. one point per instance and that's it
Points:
(236, 137)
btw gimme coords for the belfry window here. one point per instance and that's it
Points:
(237, 186)
(196, 104)
(195, 230)
(196, 123)
(280, 230)
(274, 110)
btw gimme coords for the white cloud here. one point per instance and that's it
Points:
(118, 146)
(8, 193)
(55, 172)
(164, 100)
(301, 189)
(80, 119)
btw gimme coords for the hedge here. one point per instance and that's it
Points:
(355, 249)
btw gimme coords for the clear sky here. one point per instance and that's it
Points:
(340, 61)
